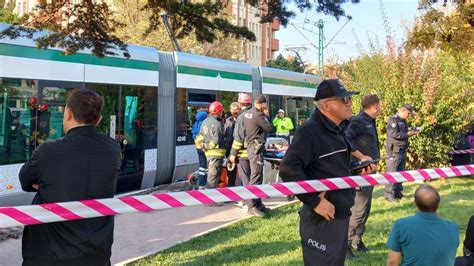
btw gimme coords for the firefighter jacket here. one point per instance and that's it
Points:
(256, 126)
(239, 148)
(397, 134)
(212, 131)
(283, 125)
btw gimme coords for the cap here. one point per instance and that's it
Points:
(332, 88)
(281, 111)
(260, 99)
(409, 107)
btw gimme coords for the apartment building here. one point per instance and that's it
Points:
(264, 48)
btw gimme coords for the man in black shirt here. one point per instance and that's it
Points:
(362, 134)
(229, 138)
(82, 165)
(320, 150)
(256, 125)
(396, 147)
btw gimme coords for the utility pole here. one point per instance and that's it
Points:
(167, 24)
(321, 45)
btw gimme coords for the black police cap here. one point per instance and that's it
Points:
(332, 88)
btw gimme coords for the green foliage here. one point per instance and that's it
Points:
(6, 12)
(136, 20)
(291, 64)
(450, 31)
(274, 240)
(90, 24)
(434, 83)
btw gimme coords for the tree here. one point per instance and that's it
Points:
(291, 64)
(92, 25)
(432, 81)
(445, 30)
(136, 20)
(6, 12)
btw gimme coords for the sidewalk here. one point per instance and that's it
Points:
(142, 234)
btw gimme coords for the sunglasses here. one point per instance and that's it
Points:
(344, 100)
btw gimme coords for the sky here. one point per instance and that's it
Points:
(366, 23)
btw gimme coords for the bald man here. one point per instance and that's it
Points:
(424, 238)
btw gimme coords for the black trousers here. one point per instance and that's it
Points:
(256, 173)
(232, 178)
(202, 168)
(360, 214)
(396, 164)
(324, 243)
(214, 168)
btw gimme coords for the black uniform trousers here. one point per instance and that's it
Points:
(214, 168)
(243, 172)
(397, 163)
(360, 214)
(256, 173)
(324, 243)
(202, 172)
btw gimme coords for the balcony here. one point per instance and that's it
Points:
(276, 25)
(275, 45)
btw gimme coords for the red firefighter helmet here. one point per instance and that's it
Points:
(244, 98)
(216, 108)
(33, 101)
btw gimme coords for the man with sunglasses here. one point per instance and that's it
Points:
(321, 150)
(396, 147)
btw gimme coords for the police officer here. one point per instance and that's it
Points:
(283, 125)
(362, 134)
(396, 147)
(238, 153)
(256, 125)
(212, 131)
(319, 150)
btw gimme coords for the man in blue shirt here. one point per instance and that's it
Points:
(424, 238)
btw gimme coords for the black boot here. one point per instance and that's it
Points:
(349, 254)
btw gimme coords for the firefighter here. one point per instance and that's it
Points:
(256, 125)
(238, 153)
(213, 143)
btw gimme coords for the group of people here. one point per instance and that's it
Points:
(332, 223)
(321, 148)
(240, 139)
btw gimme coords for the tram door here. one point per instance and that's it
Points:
(121, 120)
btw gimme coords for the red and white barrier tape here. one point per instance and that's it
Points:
(468, 151)
(68, 211)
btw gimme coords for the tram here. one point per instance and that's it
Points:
(150, 101)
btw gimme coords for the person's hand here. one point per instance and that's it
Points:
(412, 133)
(265, 112)
(283, 127)
(325, 208)
(371, 168)
(35, 186)
(231, 158)
(365, 158)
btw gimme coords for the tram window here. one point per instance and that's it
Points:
(15, 119)
(297, 108)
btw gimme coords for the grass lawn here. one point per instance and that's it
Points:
(274, 240)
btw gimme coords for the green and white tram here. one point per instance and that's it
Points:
(150, 101)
